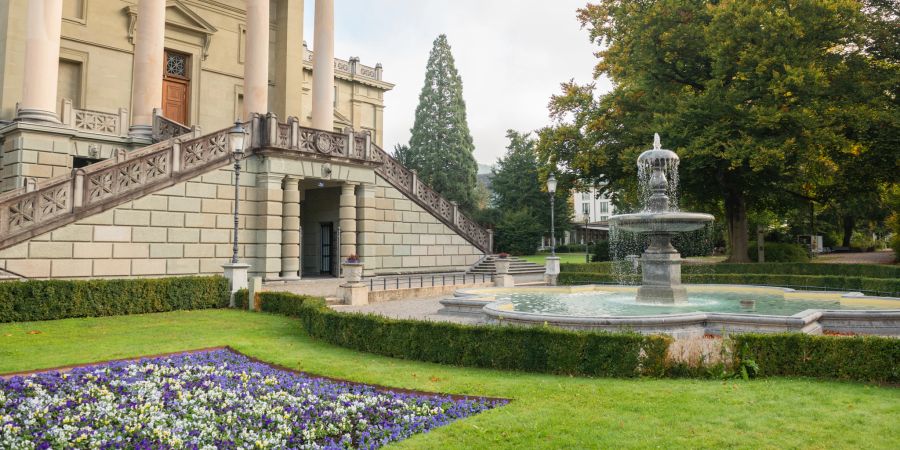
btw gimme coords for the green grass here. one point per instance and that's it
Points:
(547, 411)
(572, 258)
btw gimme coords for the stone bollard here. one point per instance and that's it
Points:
(502, 277)
(254, 288)
(236, 273)
(552, 270)
(353, 291)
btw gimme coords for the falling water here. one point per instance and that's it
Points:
(670, 170)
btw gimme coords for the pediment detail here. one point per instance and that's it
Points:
(180, 16)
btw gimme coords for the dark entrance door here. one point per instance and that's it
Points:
(327, 237)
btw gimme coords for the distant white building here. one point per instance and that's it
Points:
(591, 206)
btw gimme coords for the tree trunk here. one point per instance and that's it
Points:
(849, 223)
(736, 220)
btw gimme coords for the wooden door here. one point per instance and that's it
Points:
(177, 88)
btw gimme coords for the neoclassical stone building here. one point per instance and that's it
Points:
(115, 159)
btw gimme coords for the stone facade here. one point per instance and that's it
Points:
(186, 229)
(97, 68)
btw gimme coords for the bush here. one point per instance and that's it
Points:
(600, 251)
(858, 270)
(870, 358)
(780, 252)
(518, 233)
(25, 301)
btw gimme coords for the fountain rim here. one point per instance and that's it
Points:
(656, 221)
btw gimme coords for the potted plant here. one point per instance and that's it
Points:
(502, 263)
(353, 268)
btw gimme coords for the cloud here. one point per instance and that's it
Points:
(511, 55)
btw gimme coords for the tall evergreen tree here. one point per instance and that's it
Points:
(440, 147)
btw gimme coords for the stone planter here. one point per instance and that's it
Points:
(352, 272)
(502, 266)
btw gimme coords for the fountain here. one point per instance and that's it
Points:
(661, 262)
(662, 304)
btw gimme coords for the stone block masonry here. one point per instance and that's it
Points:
(186, 229)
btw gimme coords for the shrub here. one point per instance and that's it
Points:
(868, 358)
(518, 233)
(859, 270)
(600, 251)
(25, 301)
(780, 252)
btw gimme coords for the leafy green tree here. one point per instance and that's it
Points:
(518, 233)
(440, 147)
(518, 183)
(744, 91)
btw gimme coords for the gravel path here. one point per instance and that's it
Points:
(417, 308)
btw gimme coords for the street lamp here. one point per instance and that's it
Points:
(236, 139)
(551, 188)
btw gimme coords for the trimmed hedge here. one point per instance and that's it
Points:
(845, 270)
(531, 349)
(554, 350)
(780, 252)
(868, 358)
(880, 286)
(26, 301)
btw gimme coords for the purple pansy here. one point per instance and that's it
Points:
(209, 400)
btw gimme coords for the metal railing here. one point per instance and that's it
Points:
(422, 281)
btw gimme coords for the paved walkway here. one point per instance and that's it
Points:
(879, 257)
(418, 308)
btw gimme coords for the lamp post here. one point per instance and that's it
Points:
(551, 188)
(236, 138)
(587, 253)
(236, 272)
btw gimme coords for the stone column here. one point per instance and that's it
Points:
(256, 62)
(323, 66)
(366, 237)
(268, 224)
(149, 51)
(43, 23)
(347, 217)
(288, 50)
(290, 229)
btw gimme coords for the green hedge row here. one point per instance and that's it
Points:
(532, 349)
(26, 301)
(876, 286)
(868, 358)
(553, 350)
(844, 270)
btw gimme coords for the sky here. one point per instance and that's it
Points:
(512, 56)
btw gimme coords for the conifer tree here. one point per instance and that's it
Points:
(440, 147)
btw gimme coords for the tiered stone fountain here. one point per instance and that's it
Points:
(661, 262)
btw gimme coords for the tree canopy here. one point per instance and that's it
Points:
(440, 147)
(765, 102)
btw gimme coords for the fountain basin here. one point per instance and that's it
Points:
(710, 309)
(661, 222)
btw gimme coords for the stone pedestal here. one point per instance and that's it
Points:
(254, 288)
(236, 273)
(661, 273)
(552, 270)
(352, 272)
(502, 278)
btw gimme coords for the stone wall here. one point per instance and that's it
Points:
(186, 229)
(406, 238)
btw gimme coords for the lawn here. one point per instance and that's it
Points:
(564, 258)
(546, 412)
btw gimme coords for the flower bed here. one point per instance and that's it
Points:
(211, 399)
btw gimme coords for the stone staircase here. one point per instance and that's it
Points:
(517, 266)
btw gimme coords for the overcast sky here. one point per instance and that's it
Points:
(511, 54)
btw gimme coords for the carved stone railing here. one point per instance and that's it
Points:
(89, 121)
(42, 206)
(164, 128)
(349, 67)
(359, 148)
